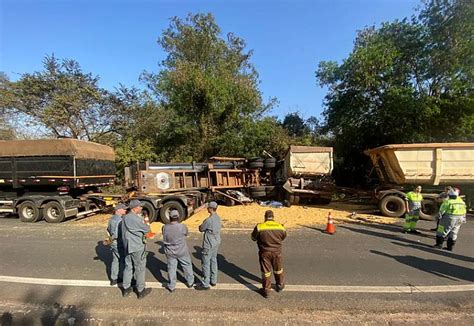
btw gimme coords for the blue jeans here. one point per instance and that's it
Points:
(209, 266)
(187, 265)
(135, 263)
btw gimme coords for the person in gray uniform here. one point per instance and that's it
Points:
(176, 250)
(211, 227)
(134, 230)
(115, 231)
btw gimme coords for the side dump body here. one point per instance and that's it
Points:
(426, 164)
(308, 161)
(40, 165)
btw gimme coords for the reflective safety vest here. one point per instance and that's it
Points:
(453, 207)
(414, 200)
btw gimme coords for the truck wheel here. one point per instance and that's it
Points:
(258, 194)
(429, 210)
(229, 202)
(149, 210)
(167, 207)
(392, 206)
(28, 212)
(269, 163)
(257, 189)
(53, 212)
(255, 163)
(294, 199)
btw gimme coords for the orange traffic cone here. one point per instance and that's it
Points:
(150, 234)
(330, 227)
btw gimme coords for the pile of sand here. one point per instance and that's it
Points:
(248, 216)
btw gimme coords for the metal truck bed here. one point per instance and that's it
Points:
(426, 164)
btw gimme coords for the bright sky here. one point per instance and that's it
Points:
(117, 39)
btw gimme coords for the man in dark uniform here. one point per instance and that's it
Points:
(269, 236)
(115, 231)
(134, 230)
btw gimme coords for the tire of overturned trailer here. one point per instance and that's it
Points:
(429, 210)
(255, 163)
(149, 210)
(169, 206)
(269, 163)
(53, 212)
(392, 206)
(28, 212)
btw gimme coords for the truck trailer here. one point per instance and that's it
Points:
(52, 178)
(431, 165)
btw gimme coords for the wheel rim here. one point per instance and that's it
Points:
(53, 213)
(28, 212)
(392, 206)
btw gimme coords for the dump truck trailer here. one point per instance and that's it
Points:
(52, 178)
(434, 166)
(306, 174)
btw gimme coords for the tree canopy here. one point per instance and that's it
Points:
(406, 81)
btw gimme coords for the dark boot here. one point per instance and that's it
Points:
(126, 292)
(450, 244)
(439, 242)
(144, 293)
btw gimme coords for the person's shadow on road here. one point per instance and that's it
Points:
(227, 267)
(432, 266)
(104, 254)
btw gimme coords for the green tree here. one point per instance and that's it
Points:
(207, 87)
(62, 99)
(407, 81)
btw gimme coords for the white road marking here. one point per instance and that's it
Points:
(249, 286)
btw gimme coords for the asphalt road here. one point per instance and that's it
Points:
(357, 255)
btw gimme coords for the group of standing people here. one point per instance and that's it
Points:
(128, 233)
(452, 214)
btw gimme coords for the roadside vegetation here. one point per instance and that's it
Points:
(405, 81)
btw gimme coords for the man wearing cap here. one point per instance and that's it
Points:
(269, 236)
(211, 227)
(115, 231)
(134, 230)
(176, 250)
(453, 212)
(413, 201)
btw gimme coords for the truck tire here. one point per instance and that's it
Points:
(257, 189)
(149, 210)
(258, 194)
(255, 163)
(269, 163)
(53, 212)
(429, 210)
(294, 199)
(392, 206)
(229, 202)
(167, 207)
(28, 212)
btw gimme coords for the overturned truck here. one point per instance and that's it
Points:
(53, 178)
(431, 165)
(304, 175)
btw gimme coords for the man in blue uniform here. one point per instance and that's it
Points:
(134, 230)
(211, 227)
(176, 250)
(115, 231)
